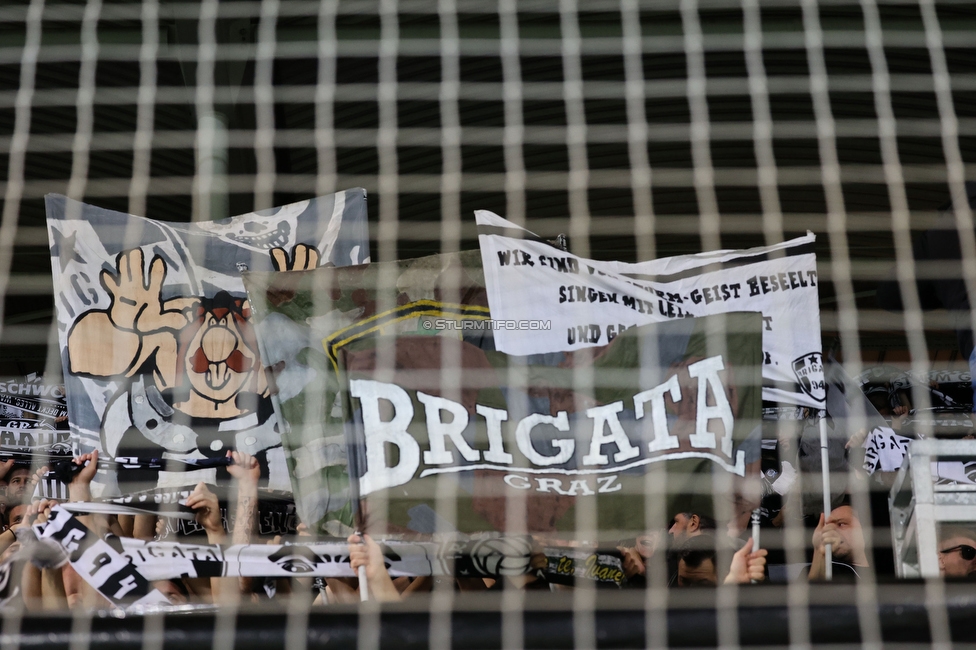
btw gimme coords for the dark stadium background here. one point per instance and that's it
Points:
(28, 307)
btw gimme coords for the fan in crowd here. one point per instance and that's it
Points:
(686, 525)
(957, 552)
(699, 563)
(843, 531)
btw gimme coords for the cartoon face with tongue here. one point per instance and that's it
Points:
(219, 353)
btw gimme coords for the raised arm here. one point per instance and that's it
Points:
(246, 472)
(80, 489)
(207, 508)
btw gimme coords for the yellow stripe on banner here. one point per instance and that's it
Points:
(414, 309)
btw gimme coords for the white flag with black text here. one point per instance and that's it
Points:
(586, 303)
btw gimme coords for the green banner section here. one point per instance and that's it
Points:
(295, 312)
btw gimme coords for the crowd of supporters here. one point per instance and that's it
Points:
(695, 550)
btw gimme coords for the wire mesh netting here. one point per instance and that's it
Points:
(487, 324)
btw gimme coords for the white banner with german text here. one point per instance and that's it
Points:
(586, 303)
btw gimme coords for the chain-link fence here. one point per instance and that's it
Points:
(542, 324)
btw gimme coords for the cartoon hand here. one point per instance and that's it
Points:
(138, 306)
(302, 258)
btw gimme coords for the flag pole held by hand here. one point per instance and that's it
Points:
(825, 471)
(361, 572)
(755, 533)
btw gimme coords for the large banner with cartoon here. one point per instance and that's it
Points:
(158, 354)
(590, 301)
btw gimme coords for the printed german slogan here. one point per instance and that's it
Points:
(590, 301)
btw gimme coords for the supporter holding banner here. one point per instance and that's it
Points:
(158, 353)
(275, 514)
(132, 566)
(590, 301)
